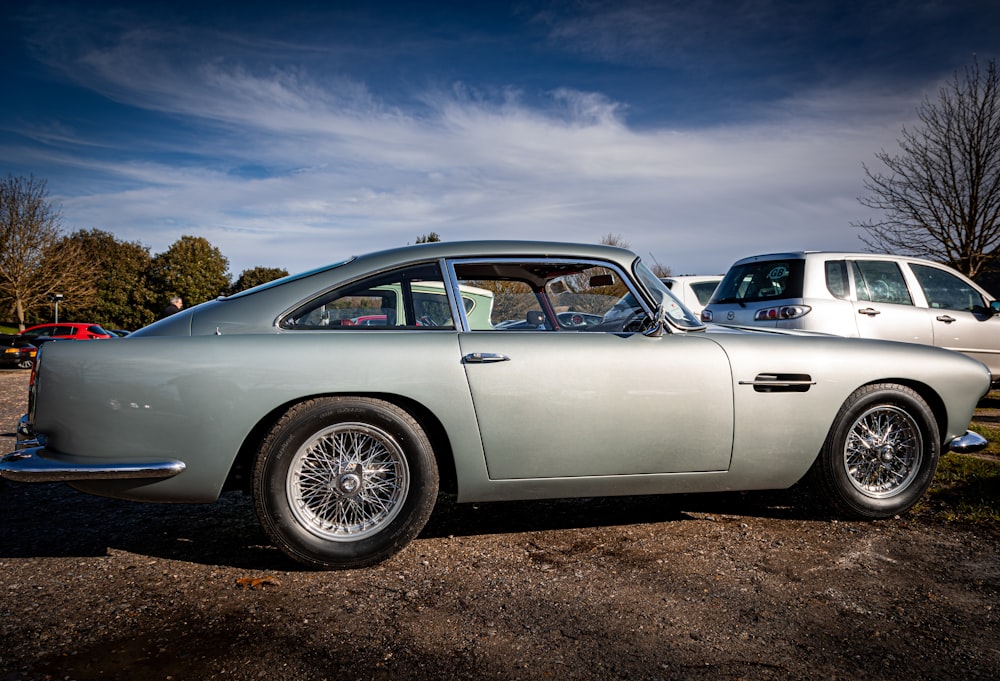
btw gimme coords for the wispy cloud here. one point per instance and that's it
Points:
(294, 161)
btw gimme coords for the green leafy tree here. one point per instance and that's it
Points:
(124, 299)
(429, 238)
(255, 276)
(34, 263)
(191, 268)
(941, 196)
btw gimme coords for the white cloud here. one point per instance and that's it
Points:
(341, 172)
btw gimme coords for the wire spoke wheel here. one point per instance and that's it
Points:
(344, 482)
(880, 454)
(347, 482)
(883, 451)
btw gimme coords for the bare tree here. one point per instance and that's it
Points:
(612, 239)
(35, 262)
(941, 195)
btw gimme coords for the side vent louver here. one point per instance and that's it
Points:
(781, 383)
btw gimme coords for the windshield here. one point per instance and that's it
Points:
(676, 313)
(761, 281)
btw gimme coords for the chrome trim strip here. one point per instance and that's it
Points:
(37, 465)
(970, 443)
(778, 384)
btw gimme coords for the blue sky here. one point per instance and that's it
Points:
(293, 134)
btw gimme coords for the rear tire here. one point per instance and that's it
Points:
(344, 482)
(881, 453)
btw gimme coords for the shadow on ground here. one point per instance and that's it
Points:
(57, 521)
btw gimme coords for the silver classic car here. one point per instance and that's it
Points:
(344, 432)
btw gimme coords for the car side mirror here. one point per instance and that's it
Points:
(658, 323)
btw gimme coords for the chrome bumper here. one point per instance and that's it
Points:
(970, 443)
(37, 465)
(26, 437)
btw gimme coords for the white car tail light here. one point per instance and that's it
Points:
(772, 314)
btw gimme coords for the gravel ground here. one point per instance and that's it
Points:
(744, 586)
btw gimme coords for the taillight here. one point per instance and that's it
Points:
(32, 387)
(773, 314)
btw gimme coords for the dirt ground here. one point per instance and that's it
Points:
(742, 586)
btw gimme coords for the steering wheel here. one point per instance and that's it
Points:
(636, 322)
(880, 290)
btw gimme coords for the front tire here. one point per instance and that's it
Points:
(881, 453)
(344, 482)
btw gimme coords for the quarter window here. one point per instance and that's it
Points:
(412, 298)
(836, 278)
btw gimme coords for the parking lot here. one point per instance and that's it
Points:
(743, 586)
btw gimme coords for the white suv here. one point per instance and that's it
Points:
(694, 290)
(864, 295)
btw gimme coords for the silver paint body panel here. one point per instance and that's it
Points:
(564, 414)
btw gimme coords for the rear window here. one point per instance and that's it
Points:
(703, 290)
(761, 281)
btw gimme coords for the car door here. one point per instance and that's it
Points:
(590, 400)
(884, 307)
(960, 316)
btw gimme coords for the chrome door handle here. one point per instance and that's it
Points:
(870, 311)
(484, 358)
(947, 319)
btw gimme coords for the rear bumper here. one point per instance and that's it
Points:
(32, 462)
(969, 443)
(36, 464)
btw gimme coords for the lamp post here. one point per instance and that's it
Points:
(55, 298)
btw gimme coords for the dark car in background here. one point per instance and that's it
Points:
(17, 352)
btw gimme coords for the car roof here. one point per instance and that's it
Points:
(502, 248)
(834, 255)
(48, 324)
(278, 296)
(405, 255)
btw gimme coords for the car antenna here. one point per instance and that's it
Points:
(659, 268)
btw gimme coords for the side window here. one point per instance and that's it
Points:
(547, 296)
(880, 281)
(944, 290)
(412, 298)
(836, 278)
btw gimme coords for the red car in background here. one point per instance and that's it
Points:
(65, 331)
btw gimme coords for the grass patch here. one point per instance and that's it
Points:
(991, 431)
(966, 489)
